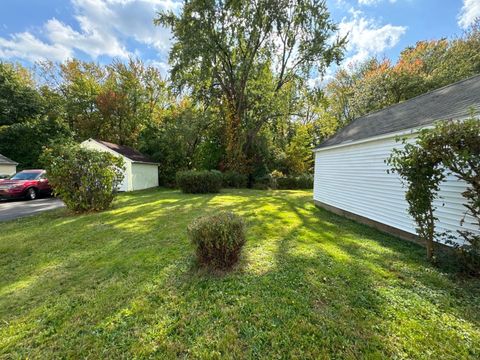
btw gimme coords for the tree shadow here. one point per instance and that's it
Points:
(310, 284)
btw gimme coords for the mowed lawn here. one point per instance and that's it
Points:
(124, 284)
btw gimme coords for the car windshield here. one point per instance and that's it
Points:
(25, 176)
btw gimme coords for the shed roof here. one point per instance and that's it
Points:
(6, 161)
(453, 101)
(128, 152)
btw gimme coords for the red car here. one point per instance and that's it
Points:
(27, 184)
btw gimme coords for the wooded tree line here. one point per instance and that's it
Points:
(237, 97)
(376, 83)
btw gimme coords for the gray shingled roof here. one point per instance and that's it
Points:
(6, 161)
(453, 101)
(128, 152)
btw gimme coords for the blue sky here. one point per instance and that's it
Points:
(99, 30)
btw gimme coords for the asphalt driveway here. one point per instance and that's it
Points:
(13, 209)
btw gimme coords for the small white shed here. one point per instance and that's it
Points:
(351, 174)
(7, 167)
(140, 171)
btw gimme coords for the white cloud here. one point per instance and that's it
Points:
(469, 12)
(103, 27)
(27, 46)
(366, 38)
(92, 40)
(130, 18)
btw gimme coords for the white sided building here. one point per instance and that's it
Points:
(140, 171)
(351, 174)
(7, 167)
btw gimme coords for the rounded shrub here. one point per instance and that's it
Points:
(218, 239)
(199, 182)
(262, 182)
(304, 181)
(86, 180)
(276, 180)
(233, 179)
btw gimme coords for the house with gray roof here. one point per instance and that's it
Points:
(140, 171)
(7, 167)
(351, 174)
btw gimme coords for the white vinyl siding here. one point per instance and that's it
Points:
(126, 184)
(7, 169)
(137, 176)
(144, 176)
(354, 178)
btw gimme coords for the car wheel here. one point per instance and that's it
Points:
(31, 194)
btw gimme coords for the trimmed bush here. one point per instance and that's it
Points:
(86, 180)
(277, 180)
(199, 182)
(218, 239)
(304, 181)
(262, 183)
(468, 255)
(233, 179)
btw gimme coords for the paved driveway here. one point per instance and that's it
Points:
(12, 209)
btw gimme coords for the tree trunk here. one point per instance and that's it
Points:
(235, 157)
(430, 235)
(429, 246)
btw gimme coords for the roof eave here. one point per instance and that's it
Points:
(409, 132)
(144, 162)
(404, 132)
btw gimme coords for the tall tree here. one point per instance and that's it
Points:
(174, 139)
(24, 141)
(129, 99)
(112, 102)
(19, 99)
(220, 47)
(375, 84)
(78, 83)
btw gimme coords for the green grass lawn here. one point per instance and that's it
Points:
(123, 284)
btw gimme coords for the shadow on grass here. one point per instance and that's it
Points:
(311, 284)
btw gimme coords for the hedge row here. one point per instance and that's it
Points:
(295, 182)
(211, 181)
(301, 182)
(199, 182)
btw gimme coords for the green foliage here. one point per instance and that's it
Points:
(86, 180)
(233, 179)
(278, 180)
(450, 147)
(29, 118)
(246, 57)
(299, 152)
(113, 102)
(457, 144)
(263, 182)
(79, 83)
(468, 254)
(199, 182)
(218, 239)
(304, 181)
(19, 100)
(238, 98)
(127, 100)
(174, 139)
(421, 176)
(95, 277)
(428, 65)
(23, 141)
